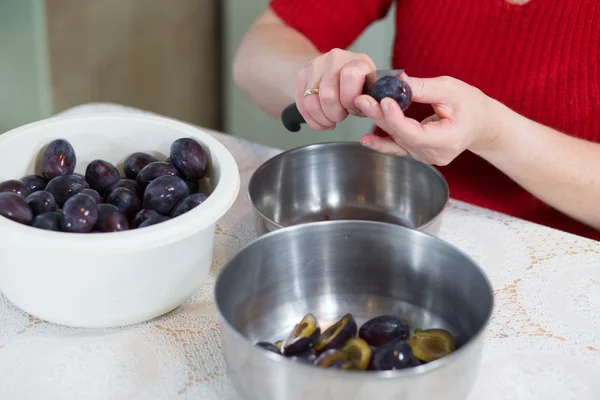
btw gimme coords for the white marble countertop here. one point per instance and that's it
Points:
(543, 340)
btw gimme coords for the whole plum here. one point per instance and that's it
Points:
(66, 186)
(49, 221)
(153, 221)
(126, 201)
(135, 162)
(383, 329)
(79, 214)
(193, 185)
(14, 207)
(163, 193)
(393, 355)
(110, 219)
(34, 183)
(101, 174)
(188, 203)
(189, 158)
(41, 202)
(154, 170)
(126, 183)
(143, 215)
(15, 186)
(93, 194)
(393, 87)
(58, 158)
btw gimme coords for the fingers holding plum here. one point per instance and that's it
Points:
(329, 98)
(352, 81)
(311, 103)
(339, 76)
(301, 87)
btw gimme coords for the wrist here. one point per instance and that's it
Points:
(498, 129)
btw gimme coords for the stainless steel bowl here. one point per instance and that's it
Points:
(368, 269)
(346, 181)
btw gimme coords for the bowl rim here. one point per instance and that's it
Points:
(268, 162)
(202, 216)
(419, 370)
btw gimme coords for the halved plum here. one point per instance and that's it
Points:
(303, 337)
(337, 334)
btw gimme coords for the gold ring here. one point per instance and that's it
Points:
(311, 91)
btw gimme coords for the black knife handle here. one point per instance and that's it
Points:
(291, 118)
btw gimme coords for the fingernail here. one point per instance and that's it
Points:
(365, 141)
(385, 105)
(364, 105)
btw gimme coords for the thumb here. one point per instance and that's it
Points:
(430, 90)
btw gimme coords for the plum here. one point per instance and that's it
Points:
(135, 162)
(188, 203)
(394, 88)
(65, 186)
(49, 221)
(126, 201)
(334, 359)
(163, 193)
(58, 158)
(396, 354)
(15, 186)
(41, 202)
(100, 174)
(190, 159)
(303, 336)
(143, 215)
(14, 207)
(93, 194)
(153, 220)
(34, 183)
(337, 334)
(154, 170)
(79, 214)
(127, 184)
(431, 344)
(193, 185)
(358, 352)
(382, 329)
(110, 219)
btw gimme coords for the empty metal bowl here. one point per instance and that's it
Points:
(346, 181)
(360, 267)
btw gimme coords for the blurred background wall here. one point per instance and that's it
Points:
(172, 57)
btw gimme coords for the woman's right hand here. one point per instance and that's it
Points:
(340, 76)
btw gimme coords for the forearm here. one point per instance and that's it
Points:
(558, 169)
(268, 60)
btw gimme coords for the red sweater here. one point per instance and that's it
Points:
(541, 59)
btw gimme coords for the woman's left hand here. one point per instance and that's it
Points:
(465, 119)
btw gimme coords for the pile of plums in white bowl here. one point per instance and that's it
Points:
(150, 191)
(109, 219)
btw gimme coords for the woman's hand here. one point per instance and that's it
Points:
(339, 75)
(465, 119)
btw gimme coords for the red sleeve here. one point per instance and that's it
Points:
(330, 24)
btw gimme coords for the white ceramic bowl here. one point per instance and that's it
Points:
(111, 279)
